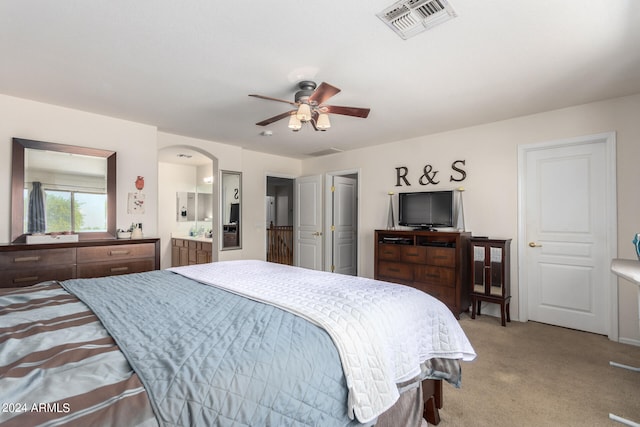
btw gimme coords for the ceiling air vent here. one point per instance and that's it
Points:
(410, 17)
(331, 150)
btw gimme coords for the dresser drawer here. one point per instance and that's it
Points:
(413, 254)
(440, 276)
(37, 258)
(28, 277)
(445, 257)
(100, 269)
(395, 270)
(443, 293)
(389, 252)
(115, 252)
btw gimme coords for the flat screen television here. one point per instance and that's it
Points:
(426, 210)
(234, 214)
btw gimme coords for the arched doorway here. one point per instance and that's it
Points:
(187, 197)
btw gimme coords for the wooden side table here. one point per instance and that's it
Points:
(490, 274)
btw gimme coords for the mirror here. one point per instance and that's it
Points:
(185, 206)
(73, 179)
(204, 207)
(478, 269)
(194, 207)
(496, 271)
(231, 203)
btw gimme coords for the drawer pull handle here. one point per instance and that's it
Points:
(25, 279)
(27, 259)
(409, 254)
(119, 252)
(119, 269)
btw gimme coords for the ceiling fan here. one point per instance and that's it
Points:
(309, 107)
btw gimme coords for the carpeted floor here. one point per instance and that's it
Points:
(532, 374)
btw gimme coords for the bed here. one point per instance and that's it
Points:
(234, 343)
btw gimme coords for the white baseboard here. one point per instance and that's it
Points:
(629, 341)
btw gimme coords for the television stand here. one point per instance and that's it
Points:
(433, 262)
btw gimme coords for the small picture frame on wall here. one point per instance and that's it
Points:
(135, 203)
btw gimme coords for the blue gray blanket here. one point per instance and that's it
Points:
(211, 358)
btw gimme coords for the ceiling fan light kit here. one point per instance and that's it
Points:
(310, 108)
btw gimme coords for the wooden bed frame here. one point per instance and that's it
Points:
(432, 396)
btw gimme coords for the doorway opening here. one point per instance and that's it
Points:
(187, 200)
(279, 221)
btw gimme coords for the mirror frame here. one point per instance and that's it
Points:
(222, 207)
(17, 186)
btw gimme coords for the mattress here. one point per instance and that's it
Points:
(384, 332)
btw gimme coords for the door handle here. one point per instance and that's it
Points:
(317, 233)
(534, 245)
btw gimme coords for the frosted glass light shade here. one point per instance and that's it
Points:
(304, 113)
(323, 121)
(294, 123)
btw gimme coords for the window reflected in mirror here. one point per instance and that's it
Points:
(64, 192)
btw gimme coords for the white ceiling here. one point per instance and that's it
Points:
(188, 66)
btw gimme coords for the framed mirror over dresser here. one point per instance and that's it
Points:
(73, 190)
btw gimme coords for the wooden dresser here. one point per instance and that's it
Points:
(436, 262)
(23, 265)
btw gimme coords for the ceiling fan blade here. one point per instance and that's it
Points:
(323, 92)
(275, 118)
(273, 99)
(348, 111)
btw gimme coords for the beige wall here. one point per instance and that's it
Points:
(490, 152)
(254, 167)
(137, 146)
(134, 143)
(490, 197)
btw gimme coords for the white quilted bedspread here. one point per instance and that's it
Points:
(382, 331)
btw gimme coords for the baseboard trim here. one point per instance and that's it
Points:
(629, 341)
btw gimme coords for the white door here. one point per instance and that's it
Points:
(344, 215)
(566, 245)
(308, 222)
